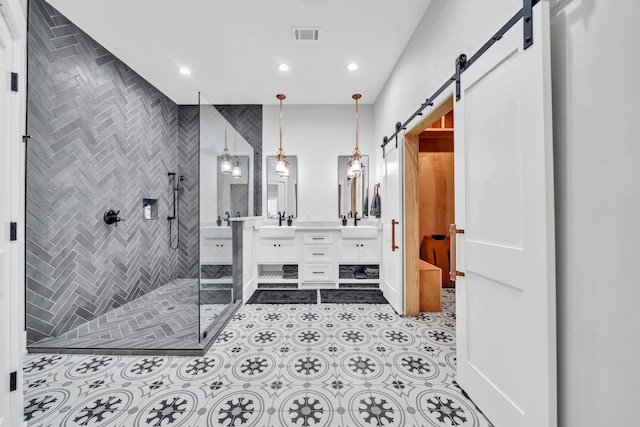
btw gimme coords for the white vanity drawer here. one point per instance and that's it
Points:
(318, 253)
(317, 272)
(318, 238)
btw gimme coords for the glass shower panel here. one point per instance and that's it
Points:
(226, 192)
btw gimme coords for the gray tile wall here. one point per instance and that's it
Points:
(188, 165)
(102, 138)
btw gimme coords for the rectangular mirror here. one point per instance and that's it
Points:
(282, 193)
(221, 192)
(233, 187)
(354, 194)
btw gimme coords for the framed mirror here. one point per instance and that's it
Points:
(282, 193)
(354, 194)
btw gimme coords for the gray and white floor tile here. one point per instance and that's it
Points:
(274, 365)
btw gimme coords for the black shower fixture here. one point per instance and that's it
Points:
(175, 187)
(111, 217)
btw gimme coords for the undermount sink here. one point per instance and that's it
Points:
(359, 232)
(215, 232)
(276, 232)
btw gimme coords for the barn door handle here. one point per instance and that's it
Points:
(393, 235)
(453, 272)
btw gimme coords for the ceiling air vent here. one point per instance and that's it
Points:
(305, 34)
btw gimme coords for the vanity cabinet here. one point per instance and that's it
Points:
(360, 251)
(216, 251)
(319, 258)
(276, 251)
(321, 253)
(216, 256)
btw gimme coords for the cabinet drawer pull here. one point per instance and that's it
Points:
(317, 254)
(317, 238)
(318, 272)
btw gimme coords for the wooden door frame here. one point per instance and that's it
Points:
(411, 205)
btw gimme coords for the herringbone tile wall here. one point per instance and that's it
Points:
(247, 120)
(102, 138)
(188, 165)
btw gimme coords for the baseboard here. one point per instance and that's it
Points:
(249, 289)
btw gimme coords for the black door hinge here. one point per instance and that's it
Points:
(13, 231)
(14, 82)
(13, 381)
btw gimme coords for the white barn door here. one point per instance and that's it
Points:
(504, 202)
(391, 193)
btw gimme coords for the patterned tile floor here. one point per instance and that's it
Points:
(274, 365)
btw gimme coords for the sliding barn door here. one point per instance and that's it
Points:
(392, 226)
(504, 202)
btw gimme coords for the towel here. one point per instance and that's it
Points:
(289, 268)
(375, 206)
(347, 272)
(365, 207)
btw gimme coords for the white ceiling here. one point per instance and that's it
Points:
(232, 47)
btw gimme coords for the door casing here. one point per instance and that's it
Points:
(411, 204)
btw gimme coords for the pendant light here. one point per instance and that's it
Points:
(350, 173)
(285, 172)
(225, 164)
(282, 163)
(236, 172)
(356, 163)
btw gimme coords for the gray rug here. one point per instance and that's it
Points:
(352, 296)
(284, 296)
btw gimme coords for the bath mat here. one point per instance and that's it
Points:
(352, 296)
(284, 296)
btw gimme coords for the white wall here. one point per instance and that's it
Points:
(596, 96)
(317, 134)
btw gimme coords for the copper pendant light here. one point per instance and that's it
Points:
(355, 167)
(225, 163)
(282, 163)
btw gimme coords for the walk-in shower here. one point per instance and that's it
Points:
(140, 284)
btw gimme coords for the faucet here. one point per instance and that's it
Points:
(280, 216)
(356, 219)
(226, 218)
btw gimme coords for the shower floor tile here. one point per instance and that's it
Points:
(318, 364)
(165, 319)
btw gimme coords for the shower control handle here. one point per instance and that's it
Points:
(111, 217)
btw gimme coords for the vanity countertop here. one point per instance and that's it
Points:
(323, 225)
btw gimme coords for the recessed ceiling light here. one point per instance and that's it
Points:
(283, 67)
(352, 67)
(185, 71)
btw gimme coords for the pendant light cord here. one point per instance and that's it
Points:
(280, 97)
(356, 153)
